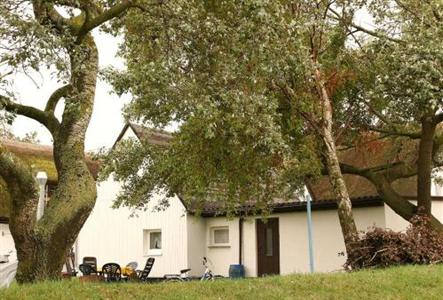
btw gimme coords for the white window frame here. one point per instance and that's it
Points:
(147, 251)
(212, 242)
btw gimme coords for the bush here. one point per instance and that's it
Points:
(379, 248)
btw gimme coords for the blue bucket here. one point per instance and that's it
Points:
(236, 271)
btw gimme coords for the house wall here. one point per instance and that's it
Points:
(7, 242)
(221, 257)
(196, 242)
(397, 223)
(112, 235)
(294, 255)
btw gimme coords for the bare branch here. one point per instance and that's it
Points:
(56, 96)
(44, 118)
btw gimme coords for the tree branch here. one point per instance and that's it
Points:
(392, 171)
(45, 13)
(109, 14)
(373, 33)
(56, 96)
(289, 93)
(396, 132)
(44, 118)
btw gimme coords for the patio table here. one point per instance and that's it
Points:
(126, 271)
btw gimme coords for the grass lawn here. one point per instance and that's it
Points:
(414, 282)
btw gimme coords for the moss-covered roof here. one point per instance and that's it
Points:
(39, 158)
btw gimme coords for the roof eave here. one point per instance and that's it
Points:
(298, 206)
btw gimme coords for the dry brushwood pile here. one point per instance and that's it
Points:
(379, 248)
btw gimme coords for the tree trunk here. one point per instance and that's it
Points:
(42, 246)
(336, 179)
(424, 167)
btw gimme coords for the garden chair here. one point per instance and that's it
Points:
(111, 272)
(87, 269)
(143, 275)
(92, 261)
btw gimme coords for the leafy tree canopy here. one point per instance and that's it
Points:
(237, 78)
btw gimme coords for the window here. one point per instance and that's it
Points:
(220, 236)
(155, 240)
(152, 242)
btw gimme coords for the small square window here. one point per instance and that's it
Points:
(155, 240)
(152, 242)
(220, 236)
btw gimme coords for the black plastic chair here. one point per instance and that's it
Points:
(112, 272)
(87, 269)
(91, 261)
(143, 275)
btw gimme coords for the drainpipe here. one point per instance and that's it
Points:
(311, 244)
(240, 240)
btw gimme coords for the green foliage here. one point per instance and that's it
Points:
(217, 69)
(28, 45)
(404, 79)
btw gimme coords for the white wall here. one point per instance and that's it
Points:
(112, 235)
(249, 246)
(294, 255)
(222, 257)
(196, 244)
(7, 242)
(397, 223)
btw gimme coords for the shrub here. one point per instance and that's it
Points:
(379, 248)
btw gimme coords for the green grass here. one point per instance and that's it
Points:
(413, 282)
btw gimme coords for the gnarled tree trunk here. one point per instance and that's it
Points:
(42, 246)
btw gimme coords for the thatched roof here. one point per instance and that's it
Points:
(370, 152)
(150, 135)
(39, 158)
(373, 153)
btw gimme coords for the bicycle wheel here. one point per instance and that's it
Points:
(174, 279)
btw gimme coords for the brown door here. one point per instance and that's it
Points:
(268, 247)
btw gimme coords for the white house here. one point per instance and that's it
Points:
(178, 239)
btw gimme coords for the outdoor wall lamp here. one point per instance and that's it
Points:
(41, 178)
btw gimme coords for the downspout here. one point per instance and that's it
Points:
(240, 240)
(310, 243)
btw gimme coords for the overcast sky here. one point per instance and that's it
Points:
(107, 120)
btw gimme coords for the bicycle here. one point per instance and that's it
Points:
(184, 274)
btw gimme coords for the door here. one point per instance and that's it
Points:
(268, 247)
